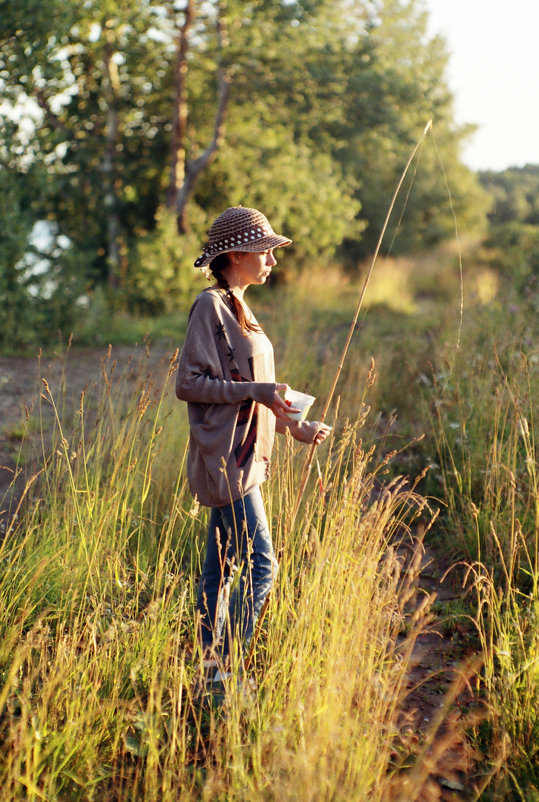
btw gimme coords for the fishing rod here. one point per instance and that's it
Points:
(310, 456)
(308, 462)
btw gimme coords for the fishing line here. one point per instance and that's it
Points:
(397, 229)
(308, 462)
(459, 252)
(398, 226)
(451, 364)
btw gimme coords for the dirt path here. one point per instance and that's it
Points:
(441, 700)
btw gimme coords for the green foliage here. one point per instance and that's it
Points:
(15, 301)
(326, 102)
(162, 277)
(91, 70)
(516, 256)
(334, 82)
(305, 197)
(515, 194)
(514, 229)
(39, 284)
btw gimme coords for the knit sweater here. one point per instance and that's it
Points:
(228, 381)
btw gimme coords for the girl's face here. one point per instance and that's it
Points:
(252, 268)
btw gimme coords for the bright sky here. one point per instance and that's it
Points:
(494, 75)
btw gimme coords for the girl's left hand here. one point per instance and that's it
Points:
(311, 432)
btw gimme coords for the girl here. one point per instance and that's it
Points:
(226, 374)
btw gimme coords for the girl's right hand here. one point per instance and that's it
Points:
(279, 407)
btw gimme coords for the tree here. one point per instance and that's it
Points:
(39, 283)
(515, 194)
(184, 171)
(94, 72)
(372, 87)
(356, 82)
(16, 227)
(322, 99)
(514, 228)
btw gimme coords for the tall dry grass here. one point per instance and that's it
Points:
(488, 452)
(483, 406)
(99, 668)
(100, 671)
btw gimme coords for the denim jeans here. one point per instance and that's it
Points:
(238, 571)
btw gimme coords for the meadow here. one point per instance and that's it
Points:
(433, 431)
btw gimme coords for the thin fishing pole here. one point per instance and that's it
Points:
(308, 462)
(405, 204)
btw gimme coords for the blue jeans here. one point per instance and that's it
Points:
(238, 572)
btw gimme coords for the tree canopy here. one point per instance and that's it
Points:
(515, 194)
(128, 114)
(514, 227)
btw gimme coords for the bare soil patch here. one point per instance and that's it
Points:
(27, 418)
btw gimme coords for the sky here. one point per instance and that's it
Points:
(494, 75)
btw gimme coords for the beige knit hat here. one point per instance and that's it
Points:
(240, 229)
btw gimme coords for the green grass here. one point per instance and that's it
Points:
(98, 660)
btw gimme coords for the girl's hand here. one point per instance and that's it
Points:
(310, 431)
(279, 407)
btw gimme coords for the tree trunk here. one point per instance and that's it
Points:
(108, 166)
(184, 172)
(194, 167)
(179, 122)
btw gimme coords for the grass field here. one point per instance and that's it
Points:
(434, 416)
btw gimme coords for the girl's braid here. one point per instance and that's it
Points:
(217, 266)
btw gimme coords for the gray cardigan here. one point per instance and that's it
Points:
(228, 381)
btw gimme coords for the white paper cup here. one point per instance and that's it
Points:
(300, 401)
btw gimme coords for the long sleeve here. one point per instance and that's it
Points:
(200, 378)
(228, 381)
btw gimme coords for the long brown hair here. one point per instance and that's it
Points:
(217, 266)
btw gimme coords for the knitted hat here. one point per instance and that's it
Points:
(240, 229)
